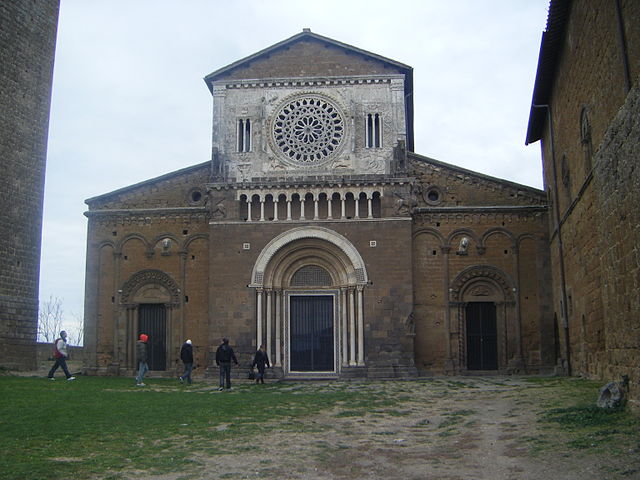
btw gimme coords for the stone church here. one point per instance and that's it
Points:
(317, 231)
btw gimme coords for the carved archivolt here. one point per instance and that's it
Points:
(149, 277)
(480, 272)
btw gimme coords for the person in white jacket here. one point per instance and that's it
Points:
(61, 355)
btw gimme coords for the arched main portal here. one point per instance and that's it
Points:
(309, 284)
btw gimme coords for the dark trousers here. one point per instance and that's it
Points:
(60, 362)
(225, 373)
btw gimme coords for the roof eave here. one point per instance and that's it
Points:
(548, 58)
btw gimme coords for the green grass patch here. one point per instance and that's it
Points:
(96, 425)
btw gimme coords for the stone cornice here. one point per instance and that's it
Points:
(307, 81)
(483, 209)
(312, 181)
(156, 212)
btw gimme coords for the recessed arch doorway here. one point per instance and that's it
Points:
(309, 286)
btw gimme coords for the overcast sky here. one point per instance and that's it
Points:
(129, 102)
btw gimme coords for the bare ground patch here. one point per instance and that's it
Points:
(448, 429)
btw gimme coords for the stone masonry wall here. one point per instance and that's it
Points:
(27, 45)
(617, 179)
(593, 229)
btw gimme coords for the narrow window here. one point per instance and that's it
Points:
(373, 130)
(376, 131)
(244, 135)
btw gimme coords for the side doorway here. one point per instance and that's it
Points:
(482, 336)
(152, 320)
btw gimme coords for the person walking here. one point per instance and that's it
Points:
(260, 360)
(224, 356)
(186, 355)
(141, 354)
(60, 354)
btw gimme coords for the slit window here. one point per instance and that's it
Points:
(244, 135)
(373, 130)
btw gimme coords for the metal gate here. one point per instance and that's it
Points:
(152, 320)
(482, 336)
(312, 346)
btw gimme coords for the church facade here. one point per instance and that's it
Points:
(316, 231)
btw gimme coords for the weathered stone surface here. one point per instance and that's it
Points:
(27, 44)
(612, 395)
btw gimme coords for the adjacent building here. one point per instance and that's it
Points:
(586, 113)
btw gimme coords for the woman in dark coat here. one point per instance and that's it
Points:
(261, 360)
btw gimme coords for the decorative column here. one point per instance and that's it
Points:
(357, 208)
(269, 293)
(259, 318)
(249, 209)
(369, 207)
(262, 210)
(345, 321)
(520, 363)
(329, 210)
(275, 210)
(360, 326)
(302, 217)
(315, 208)
(115, 361)
(288, 209)
(448, 363)
(278, 300)
(344, 208)
(352, 328)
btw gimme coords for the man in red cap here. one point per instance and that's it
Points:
(141, 353)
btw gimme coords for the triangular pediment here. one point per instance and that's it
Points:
(308, 55)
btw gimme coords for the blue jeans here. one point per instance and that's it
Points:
(60, 362)
(188, 368)
(225, 374)
(142, 369)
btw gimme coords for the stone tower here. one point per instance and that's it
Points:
(27, 46)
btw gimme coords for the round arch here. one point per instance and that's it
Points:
(144, 278)
(324, 242)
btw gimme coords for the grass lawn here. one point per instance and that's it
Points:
(95, 427)
(61, 429)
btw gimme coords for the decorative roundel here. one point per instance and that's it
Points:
(307, 130)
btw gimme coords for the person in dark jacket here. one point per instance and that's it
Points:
(186, 355)
(224, 356)
(261, 360)
(141, 354)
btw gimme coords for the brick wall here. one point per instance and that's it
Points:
(27, 44)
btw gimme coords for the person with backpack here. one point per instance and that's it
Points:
(60, 354)
(186, 355)
(261, 360)
(224, 355)
(141, 354)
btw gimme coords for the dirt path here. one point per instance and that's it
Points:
(451, 429)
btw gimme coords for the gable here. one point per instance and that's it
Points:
(459, 187)
(308, 55)
(177, 189)
(308, 58)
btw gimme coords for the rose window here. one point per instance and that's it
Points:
(307, 130)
